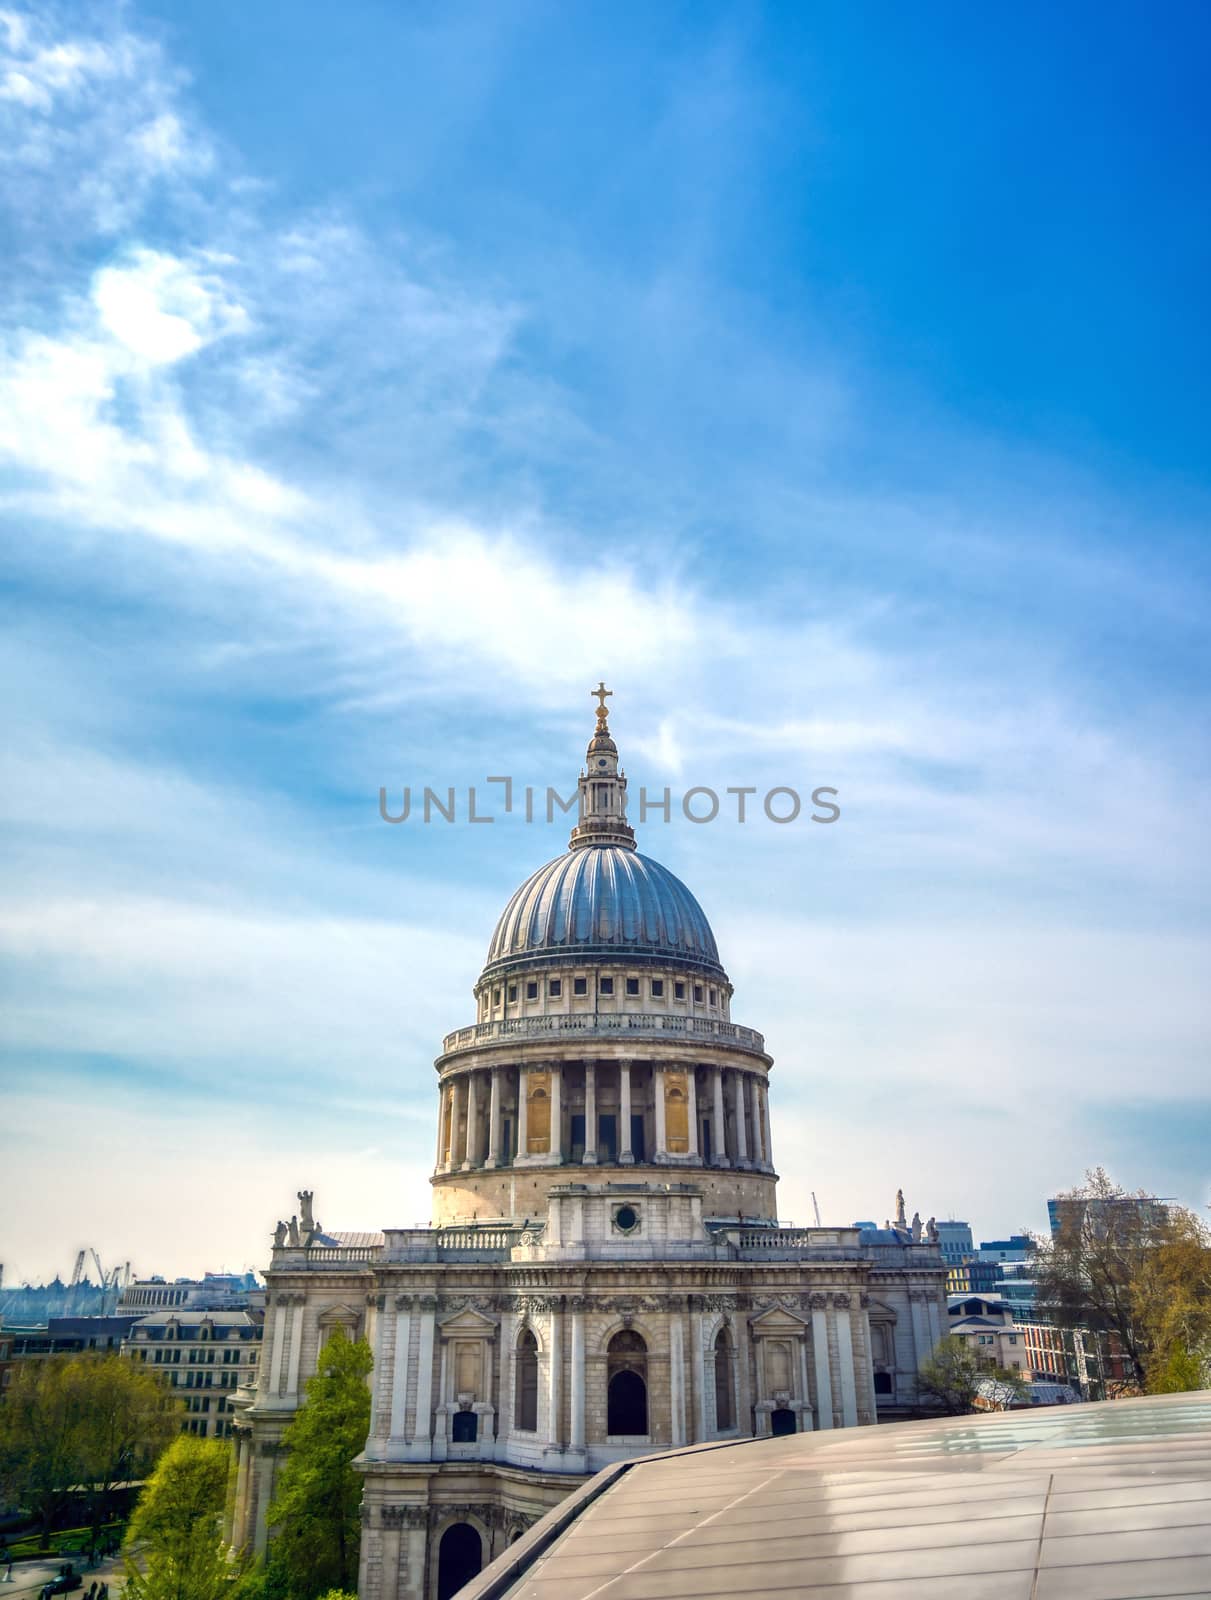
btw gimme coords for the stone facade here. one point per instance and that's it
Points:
(604, 1274)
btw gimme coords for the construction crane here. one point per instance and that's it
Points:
(816, 1209)
(78, 1269)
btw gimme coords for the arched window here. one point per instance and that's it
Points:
(725, 1410)
(627, 1385)
(526, 1399)
(460, 1556)
(464, 1427)
(781, 1421)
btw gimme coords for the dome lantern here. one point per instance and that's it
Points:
(603, 789)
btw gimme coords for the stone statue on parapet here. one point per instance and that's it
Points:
(901, 1219)
(295, 1241)
(279, 1235)
(931, 1230)
(916, 1227)
(308, 1222)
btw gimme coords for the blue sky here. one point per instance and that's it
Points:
(833, 380)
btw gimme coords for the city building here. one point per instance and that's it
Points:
(1135, 1214)
(955, 1242)
(972, 1276)
(1018, 1248)
(605, 1275)
(205, 1356)
(215, 1291)
(985, 1323)
(68, 1336)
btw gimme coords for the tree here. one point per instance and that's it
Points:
(317, 1508)
(174, 1544)
(1125, 1264)
(73, 1422)
(131, 1417)
(953, 1376)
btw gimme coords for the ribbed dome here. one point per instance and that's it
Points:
(603, 901)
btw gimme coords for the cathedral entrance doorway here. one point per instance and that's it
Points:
(781, 1421)
(626, 1385)
(459, 1558)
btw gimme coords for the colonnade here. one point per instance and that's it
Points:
(603, 1112)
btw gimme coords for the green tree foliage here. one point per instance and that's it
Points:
(1180, 1371)
(315, 1513)
(174, 1547)
(1141, 1271)
(951, 1378)
(91, 1421)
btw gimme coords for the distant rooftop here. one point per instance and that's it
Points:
(1106, 1501)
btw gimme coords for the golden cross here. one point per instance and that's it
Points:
(602, 694)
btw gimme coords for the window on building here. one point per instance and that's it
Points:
(657, 988)
(512, 993)
(580, 986)
(531, 991)
(698, 992)
(496, 997)
(632, 985)
(526, 1400)
(464, 1427)
(607, 986)
(725, 1409)
(678, 991)
(713, 997)
(555, 988)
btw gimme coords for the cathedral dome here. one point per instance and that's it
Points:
(603, 901)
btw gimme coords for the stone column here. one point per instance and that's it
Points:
(920, 1331)
(508, 1382)
(845, 1356)
(554, 1378)
(719, 1129)
(422, 1433)
(399, 1375)
(935, 1322)
(278, 1345)
(240, 1519)
(523, 1116)
(824, 1382)
(626, 1155)
(676, 1379)
(763, 1103)
(457, 1141)
(471, 1155)
(442, 1100)
(590, 1113)
(660, 1152)
(805, 1416)
(738, 1097)
(495, 1120)
(556, 1140)
(576, 1430)
(698, 1369)
(296, 1346)
(691, 1084)
(755, 1120)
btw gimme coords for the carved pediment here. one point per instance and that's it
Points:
(778, 1319)
(342, 1316)
(466, 1322)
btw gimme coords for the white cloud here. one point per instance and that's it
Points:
(162, 309)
